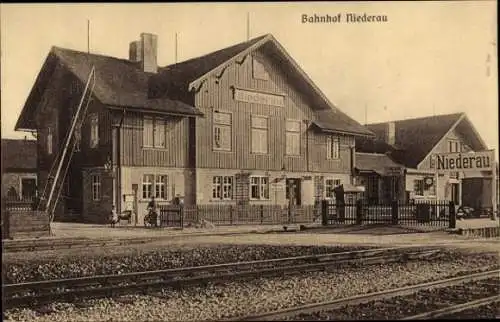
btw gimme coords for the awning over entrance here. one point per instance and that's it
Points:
(377, 163)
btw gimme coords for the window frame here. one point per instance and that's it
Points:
(290, 133)
(416, 183)
(50, 139)
(259, 70)
(219, 125)
(332, 149)
(27, 177)
(150, 136)
(329, 193)
(96, 187)
(220, 183)
(158, 183)
(147, 183)
(262, 192)
(94, 130)
(259, 129)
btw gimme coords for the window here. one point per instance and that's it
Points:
(222, 187)
(96, 187)
(161, 185)
(153, 133)
(418, 187)
(49, 140)
(222, 131)
(147, 186)
(159, 133)
(292, 137)
(330, 184)
(259, 134)
(259, 188)
(259, 71)
(28, 188)
(94, 130)
(147, 132)
(454, 146)
(78, 138)
(156, 186)
(333, 147)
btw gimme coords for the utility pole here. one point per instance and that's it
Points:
(248, 26)
(176, 49)
(88, 36)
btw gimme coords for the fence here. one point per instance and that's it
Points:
(177, 216)
(429, 212)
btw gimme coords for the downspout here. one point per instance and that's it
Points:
(119, 163)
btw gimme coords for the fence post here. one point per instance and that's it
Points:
(453, 216)
(359, 212)
(324, 212)
(394, 212)
(261, 214)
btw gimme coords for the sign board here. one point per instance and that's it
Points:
(464, 162)
(258, 97)
(394, 171)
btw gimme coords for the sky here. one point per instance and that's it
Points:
(429, 58)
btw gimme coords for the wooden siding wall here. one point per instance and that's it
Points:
(442, 147)
(216, 94)
(134, 154)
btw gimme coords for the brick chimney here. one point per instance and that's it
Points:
(390, 133)
(145, 51)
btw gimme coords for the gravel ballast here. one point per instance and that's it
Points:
(399, 307)
(216, 302)
(17, 270)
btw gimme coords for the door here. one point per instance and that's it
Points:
(454, 193)
(28, 188)
(293, 192)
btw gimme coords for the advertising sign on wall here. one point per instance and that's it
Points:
(464, 162)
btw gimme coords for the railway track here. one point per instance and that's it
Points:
(56, 244)
(390, 301)
(74, 289)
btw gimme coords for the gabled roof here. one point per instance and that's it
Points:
(119, 83)
(19, 155)
(414, 138)
(375, 162)
(180, 78)
(122, 83)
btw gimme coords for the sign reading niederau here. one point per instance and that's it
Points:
(468, 161)
(258, 97)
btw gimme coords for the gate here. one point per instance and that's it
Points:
(171, 216)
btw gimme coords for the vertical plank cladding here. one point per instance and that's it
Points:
(133, 152)
(216, 94)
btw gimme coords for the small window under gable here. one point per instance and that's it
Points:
(259, 71)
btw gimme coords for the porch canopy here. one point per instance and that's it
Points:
(375, 163)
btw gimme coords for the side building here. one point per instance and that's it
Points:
(407, 148)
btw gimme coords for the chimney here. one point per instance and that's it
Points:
(149, 49)
(135, 51)
(145, 51)
(390, 134)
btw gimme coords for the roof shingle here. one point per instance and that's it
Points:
(19, 154)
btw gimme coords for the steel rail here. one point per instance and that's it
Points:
(10, 288)
(182, 276)
(365, 298)
(454, 309)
